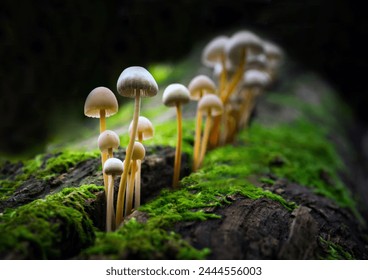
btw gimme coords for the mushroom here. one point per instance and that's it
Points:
(274, 56)
(138, 154)
(239, 46)
(212, 106)
(112, 168)
(176, 95)
(254, 81)
(214, 53)
(199, 86)
(134, 82)
(101, 103)
(107, 141)
(145, 129)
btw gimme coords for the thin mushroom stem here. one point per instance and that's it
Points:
(140, 137)
(206, 135)
(110, 153)
(103, 154)
(130, 189)
(109, 203)
(178, 147)
(223, 75)
(124, 176)
(197, 141)
(137, 187)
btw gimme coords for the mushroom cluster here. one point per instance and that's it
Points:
(243, 66)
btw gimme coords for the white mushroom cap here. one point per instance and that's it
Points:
(101, 98)
(258, 62)
(136, 79)
(243, 41)
(214, 50)
(201, 83)
(211, 102)
(175, 93)
(256, 78)
(272, 51)
(230, 69)
(113, 166)
(144, 126)
(138, 151)
(108, 140)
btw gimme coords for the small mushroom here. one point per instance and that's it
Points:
(175, 95)
(274, 56)
(112, 168)
(214, 53)
(145, 129)
(134, 82)
(138, 154)
(101, 103)
(212, 106)
(107, 141)
(241, 45)
(199, 86)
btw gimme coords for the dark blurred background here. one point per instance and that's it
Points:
(54, 52)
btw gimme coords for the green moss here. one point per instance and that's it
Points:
(334, 251)
(142, 241)
(44, 167)
(50, 228)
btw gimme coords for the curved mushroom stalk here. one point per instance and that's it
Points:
(177, 164)
(130, 188)
(137, 186)
(205, 138)
(133, 82)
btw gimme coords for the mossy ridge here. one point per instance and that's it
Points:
(334, 251)
(51, 228)
(142, 241)
(301, 148)
(44, 167)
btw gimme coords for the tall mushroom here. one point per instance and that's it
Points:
(134, 82)
(211, 105)
(101, 103)
(138, 154)
(239, 46)
(199, 86)
(112, 168)
(175, 95)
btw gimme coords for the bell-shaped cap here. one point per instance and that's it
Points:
(201, 84)
(113, 167)
(214, 51)
(138, 151)
(136, 80)
(210, 103)
(144, 127)
(174, 94)
(108, 140)
(101, 98)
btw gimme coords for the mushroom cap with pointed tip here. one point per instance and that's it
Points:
(144, 126)
(136, 79)
(138, 151)
(240, 41)
(113, 166)
(101, 98)
(256, 78)
(201, 83)
(174, 94)
(108, 140)
(214, 50)
(211, 102)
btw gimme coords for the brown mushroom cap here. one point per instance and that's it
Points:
(144, 126)
(136, 79)
(256, 78)
(108, 140)
(240, 41)
(214, 50)
(201, 83)
(138, 151)
(175, 93)
(211, 102)
(113, 166)
(101, 98)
